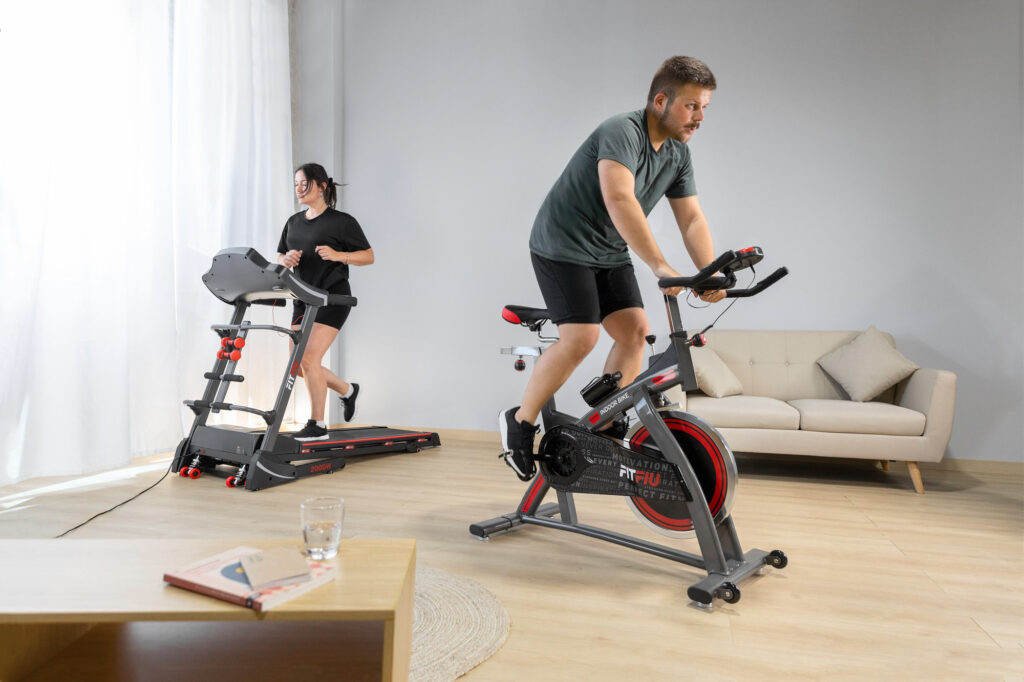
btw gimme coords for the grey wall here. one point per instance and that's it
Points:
(874, 148)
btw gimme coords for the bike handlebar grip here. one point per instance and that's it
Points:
(705, 273)
(341, 299)
(760, 286)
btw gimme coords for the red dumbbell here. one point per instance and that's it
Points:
(225, 342)
(239, 343)
(236, 355)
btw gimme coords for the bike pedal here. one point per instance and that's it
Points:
(527, 477)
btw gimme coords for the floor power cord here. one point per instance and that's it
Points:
(119, 504)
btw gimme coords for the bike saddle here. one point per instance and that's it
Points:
(521, 314)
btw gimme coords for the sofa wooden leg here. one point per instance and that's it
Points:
(884, 463)
(915, 476)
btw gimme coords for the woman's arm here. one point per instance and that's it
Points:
(364, 257)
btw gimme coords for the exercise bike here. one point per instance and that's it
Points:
(675, 470)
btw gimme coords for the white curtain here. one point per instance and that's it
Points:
(138, 138)
(231, 177)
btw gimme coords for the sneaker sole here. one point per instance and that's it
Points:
(308, 438)
(503, 430)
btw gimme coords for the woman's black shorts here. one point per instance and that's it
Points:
(585, 294)
(331, 315)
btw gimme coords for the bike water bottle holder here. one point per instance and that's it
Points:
(601, 387)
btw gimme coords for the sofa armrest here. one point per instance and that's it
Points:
(932, 392)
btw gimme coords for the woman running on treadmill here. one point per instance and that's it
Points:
(320, 243)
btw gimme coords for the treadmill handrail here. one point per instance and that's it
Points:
(241, 273)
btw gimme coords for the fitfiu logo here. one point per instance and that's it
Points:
(318, 468)
(639, 476)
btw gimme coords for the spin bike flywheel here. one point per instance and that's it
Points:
(712, 462)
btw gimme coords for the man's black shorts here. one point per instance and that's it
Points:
(585, 294)
(331, 315)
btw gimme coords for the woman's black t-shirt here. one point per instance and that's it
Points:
(332, 228)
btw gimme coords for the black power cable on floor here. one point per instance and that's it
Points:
(119, 504)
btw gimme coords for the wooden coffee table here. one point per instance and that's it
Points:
(99, 609)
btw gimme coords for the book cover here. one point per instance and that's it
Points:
(222, 576)
(274, 567)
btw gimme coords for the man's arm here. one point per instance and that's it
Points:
(618, 188)
(693, 226)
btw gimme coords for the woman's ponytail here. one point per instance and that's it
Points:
(316, 174)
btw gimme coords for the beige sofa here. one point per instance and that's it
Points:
(786, 403)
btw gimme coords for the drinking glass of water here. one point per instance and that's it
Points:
(321, 526)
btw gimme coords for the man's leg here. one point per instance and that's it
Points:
(555, 366)
(627, 327)
(571, 294)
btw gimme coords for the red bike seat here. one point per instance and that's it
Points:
(521, 314)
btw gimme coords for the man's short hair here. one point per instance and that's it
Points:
(676, 72)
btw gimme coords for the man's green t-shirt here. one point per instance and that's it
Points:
(573, 225)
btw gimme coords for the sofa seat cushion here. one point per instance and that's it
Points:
(744, 412)
(847, 416)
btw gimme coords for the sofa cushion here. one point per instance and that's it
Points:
(744, 412)
(713, 376)
(867, 365)
(845, 416)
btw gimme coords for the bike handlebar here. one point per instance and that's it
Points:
(760, 286)
(701, 277)
(706, 280)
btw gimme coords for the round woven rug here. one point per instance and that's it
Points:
(457, 625)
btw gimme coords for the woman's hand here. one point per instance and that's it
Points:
(327, 253)
(291, 259)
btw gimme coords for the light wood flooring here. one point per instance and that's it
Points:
(882, 583)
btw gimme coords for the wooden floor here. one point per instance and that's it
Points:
(882, 583)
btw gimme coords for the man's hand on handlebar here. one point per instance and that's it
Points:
(711, 296)
(666, 270)
(662, 271)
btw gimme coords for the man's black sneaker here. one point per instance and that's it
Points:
(311, 431)
(618, 429)
(517, 442)
(349, 403)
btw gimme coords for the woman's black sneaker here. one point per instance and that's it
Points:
(311, 431)
(349, 403)
(517, 442)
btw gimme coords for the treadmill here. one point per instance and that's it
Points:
(261, 458)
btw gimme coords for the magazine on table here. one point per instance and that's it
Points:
(223, 576)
